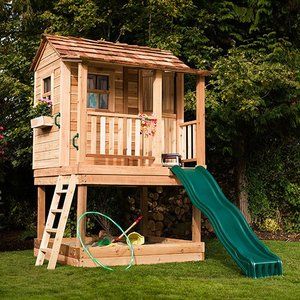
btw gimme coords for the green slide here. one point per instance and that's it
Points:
(230, 226)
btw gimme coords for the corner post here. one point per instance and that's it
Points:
(179, 110)
(41, 211)
(157, 111)
(81, 111)
(200, 148)
(65, 112)
(81, 208)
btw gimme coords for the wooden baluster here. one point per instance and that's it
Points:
(93, 134)
(173, 133)
(189, 141)
(102, 134)
(137, 150)
(111, 132)
(194, 141)
(184, 154)
(120, 136)
(129, 137)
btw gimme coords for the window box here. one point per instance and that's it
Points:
(42, 122)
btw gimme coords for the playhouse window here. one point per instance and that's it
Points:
(98, 91)
(147, 90)
(168, 98)
(47, 87)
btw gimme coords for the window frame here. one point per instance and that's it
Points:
(110, 91)
(141, 88)
(49, 93)
(172, 77)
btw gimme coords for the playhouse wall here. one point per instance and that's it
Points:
(124, 102)
(46, 141)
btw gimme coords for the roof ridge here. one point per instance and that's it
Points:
(103, 41)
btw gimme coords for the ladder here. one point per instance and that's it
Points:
(63, 214)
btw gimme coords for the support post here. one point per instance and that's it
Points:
(200, 148)
(81, 111)
(65, 114)
(81, 208)
(179, 109)
(157, 110)
(41, 211)
(144, 210)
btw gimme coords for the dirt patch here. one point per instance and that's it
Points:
(14, 240)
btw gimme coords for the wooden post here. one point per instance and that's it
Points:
(81, 208)
(41, 211)
(179, 110)
(157, 111)
(200, 148)
(200, 117)
(65, 114)
(144, 210)
(81, 111)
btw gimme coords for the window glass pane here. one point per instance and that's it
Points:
(47, 85)
(103, 101)
(92, 100)
(102, 82)
(91, 82)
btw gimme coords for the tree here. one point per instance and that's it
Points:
(254, 93)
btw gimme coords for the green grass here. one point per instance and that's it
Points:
(215, 278)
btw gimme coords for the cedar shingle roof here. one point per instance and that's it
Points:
(118, 53)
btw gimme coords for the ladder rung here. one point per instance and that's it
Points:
(45, 249)
(56, 210)
(51, 230)
(62, 191)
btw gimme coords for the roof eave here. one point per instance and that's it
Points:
(186, 70)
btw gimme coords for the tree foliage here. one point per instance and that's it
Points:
(252, 46)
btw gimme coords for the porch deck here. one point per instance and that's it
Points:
(109, 175)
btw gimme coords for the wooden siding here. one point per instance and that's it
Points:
(46, 141)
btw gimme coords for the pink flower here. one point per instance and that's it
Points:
(1, 136)
(1, 128)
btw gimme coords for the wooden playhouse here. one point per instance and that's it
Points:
(98, 90)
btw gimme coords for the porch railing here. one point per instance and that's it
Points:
(112, 135)
(188, 135)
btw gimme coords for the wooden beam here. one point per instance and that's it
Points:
(200, 118)
(144, 210)
(157, 111)
(125, 90)
(41, 210)
(179, 110)
(81, 111)
(200, 148)
(65, 114)
(81, 208)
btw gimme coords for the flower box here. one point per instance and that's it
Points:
(42, 122)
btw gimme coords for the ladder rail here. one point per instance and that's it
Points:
(63, 217)
(62, 223)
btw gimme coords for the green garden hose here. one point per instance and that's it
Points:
(95, 260)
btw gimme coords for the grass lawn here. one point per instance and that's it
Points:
(215, 278)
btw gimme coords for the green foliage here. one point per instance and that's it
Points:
(255, 89)
(42, 108)
(274, 183)
(252, 45)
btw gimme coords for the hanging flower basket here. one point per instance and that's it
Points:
(148, 125)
